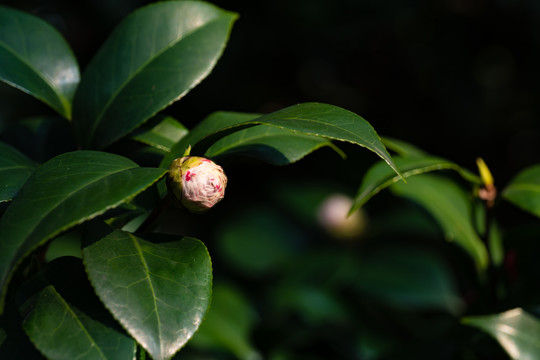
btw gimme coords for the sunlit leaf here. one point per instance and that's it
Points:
(316, 119)
(155, 56)
(161, 135)
(515, 330)
(270, 144)
(158, 290)
(35, 58)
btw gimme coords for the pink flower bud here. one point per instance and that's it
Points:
(196, 182)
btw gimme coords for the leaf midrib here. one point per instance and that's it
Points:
(112, 98)
(244, 140)
(369, 142)
(29, 167)
(154, 296)
(79, 322)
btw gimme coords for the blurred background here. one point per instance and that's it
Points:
(457, 78)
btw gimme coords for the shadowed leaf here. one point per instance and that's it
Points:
(61, 331)
(450, 207)
(379, 176)
(15, 168)
(524, 190)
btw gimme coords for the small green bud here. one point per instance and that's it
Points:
(196, 182)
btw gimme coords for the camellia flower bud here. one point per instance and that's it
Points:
(196, 182)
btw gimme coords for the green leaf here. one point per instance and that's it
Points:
(524, 190)
(65, 191)
(153, 58)
(158, 290)
(61, 331)
(64, 245)
(450, 207)
(35, 58)
(270, 144)
(516, 330)
(15, 168)
(163, 135)
(228, 325)
(316, 119)
(379, 176)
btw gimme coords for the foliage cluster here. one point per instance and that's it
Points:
(93, 264)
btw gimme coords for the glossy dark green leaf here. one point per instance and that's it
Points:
(15, 168)
(270, 144)
(154, 57)
(228, 325)
(409, 278)
(379, 176)
(316, 119)
(159, 291)
(61, 331)
(35, 58)
(450, 207)
(63, 192)
(161, 135)
(515, 330)
(524, 190)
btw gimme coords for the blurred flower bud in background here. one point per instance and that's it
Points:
(196, 182)
(332, 215)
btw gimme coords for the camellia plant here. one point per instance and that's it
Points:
(131, 290)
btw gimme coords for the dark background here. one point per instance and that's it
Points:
(458, 78)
